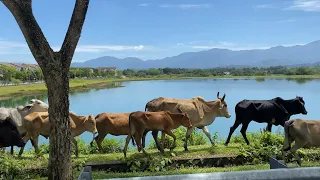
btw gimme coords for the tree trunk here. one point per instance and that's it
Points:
(55, 67)
(57, 81)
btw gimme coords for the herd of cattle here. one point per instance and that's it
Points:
(23, 123)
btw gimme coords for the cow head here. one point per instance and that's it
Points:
(298, 106)
(35, 105)
(223, 107)
(185, 121)
(9, 134)
(90, 124)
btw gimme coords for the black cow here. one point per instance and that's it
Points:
(275, 111)
(9, 134)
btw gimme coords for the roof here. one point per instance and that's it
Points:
(19, 65)
(106, 67)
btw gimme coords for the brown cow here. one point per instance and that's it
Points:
(115, 124)
(201, 112)
(38, 124)
(164, 121)
(303, 132)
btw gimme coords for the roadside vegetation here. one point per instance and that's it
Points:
(255, 156)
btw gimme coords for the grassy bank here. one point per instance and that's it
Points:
(75, 85)
(256, 156)
(81, 84)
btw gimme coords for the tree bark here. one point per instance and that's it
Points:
(55, 67)
(60, 164)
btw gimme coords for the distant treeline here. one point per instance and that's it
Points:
(255, 71)
(9, 74)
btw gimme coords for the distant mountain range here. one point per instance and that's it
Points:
(299, 55)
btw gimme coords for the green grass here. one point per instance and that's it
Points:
(30, 162)
(75, 84)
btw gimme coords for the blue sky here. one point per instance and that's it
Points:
(152, 29)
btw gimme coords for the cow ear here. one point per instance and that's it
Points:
(27, 108)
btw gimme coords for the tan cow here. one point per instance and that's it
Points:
(303, 132)
(38, 123)
(164, 121)
(202, 113)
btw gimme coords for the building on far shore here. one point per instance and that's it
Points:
(20, 66)
(105, 69)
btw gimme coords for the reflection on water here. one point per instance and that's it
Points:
(22, 100)
(260, 79)
(301, 80)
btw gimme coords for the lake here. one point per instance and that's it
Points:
(136, 94)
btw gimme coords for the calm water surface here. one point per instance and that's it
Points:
(136, 94)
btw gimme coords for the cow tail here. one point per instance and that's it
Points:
(286, 145)
(130, 129)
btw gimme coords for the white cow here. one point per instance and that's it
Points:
(17, 114)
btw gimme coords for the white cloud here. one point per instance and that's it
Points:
(237, 47)
(287, 21)
(305, 5)
(94, 48)
(185, 6)
(265, 6)
(144, 4)
(12, 47)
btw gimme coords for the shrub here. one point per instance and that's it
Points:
(108, 146)
(8, 167)
(196, 138)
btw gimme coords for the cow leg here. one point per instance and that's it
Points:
(126, 146)
(189, 131)
(35, 141)
(11, 150)
(75, 143)
(206, 132)
(155, 137)
(163, 139)
(26, 138)
(269, 126)
(174, 139)
(232, 129)
(99, 139)
(144, 138)
(243, 132)
(297, 145)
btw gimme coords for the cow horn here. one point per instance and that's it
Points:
(223, 97)
(218, 95)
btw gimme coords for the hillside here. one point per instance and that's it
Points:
(305, 55)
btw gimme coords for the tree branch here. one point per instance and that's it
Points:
(38, 44)
(74, 31)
